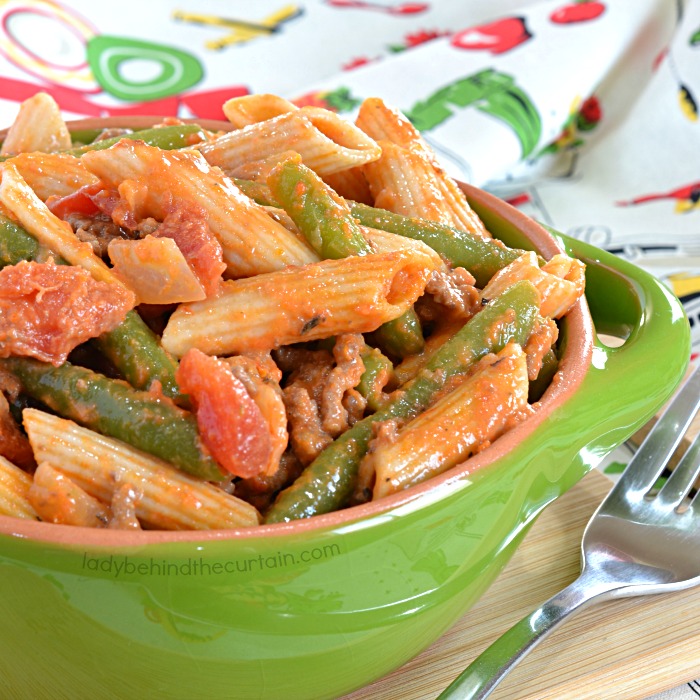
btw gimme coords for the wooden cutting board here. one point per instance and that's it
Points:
(626, 649)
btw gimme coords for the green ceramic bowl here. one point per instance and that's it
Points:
(315, 609)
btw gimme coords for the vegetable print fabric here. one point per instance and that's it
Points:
(584, 114)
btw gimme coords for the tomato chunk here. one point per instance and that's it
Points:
(188, 227)
(80, 202)
(47, 310)
(231, 424)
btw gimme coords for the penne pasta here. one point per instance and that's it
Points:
(56, 235)
(351, 295)
(252, 241)
(383, 123)
(100, 465)
(560, 281)
(326, 142)
(386, 125)
(52, 174)
(351, 184)
(155, 270)
(463, 421)
(38, 126)
(404, 181)
(59, 500)
(251, 109)
(14, 491)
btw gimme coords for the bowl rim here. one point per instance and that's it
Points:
(573, 367)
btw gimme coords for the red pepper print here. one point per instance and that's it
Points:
(496, 37)
(589, 115)
(406, 8)
(206, 104)
(686, 198)
(577, 12)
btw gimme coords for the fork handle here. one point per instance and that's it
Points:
(480, 678)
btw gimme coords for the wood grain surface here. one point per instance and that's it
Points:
(626, 649)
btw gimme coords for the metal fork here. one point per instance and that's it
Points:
(638, 542)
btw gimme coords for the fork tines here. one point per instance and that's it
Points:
(658, 447)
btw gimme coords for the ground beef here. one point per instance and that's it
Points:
(97, 230)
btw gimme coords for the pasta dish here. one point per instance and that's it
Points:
(211, 330)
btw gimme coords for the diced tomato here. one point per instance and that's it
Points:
(79, 202)
(188, 227)
(230, 422)
(47, 310)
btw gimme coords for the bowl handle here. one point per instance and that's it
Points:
(631, 381)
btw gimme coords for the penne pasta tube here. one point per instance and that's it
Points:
(251, 109)
(351, 184)
(155, 270)
(465, 420)
(560, 281)
(100, 465)
(326, 142)
(52, 174)
(383, 123)
(252, 241)
(14, 491)
(356, 294)
(388, 125)
(47, 228)
(38, 126)
(59, 500)
(404, 181)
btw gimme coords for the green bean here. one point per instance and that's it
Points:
(321, 215)
(165, 137)
(258, 192)
(482, 257)
(325, 220)
(132, 347)
(327, 483)
(550, 365)
(400, 337)
(112, 407)
(16, 244)
(378, 373)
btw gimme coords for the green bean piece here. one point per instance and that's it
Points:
(482, 257)
(131, 347)
(400, 337)
(82, 137)
(377, 375)
(112, 407)
(327, 483)
(165, 137)
(259, 192)
(550, 365)
(321, 215)
(134, 349)
(325, 220)
(16, 244)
